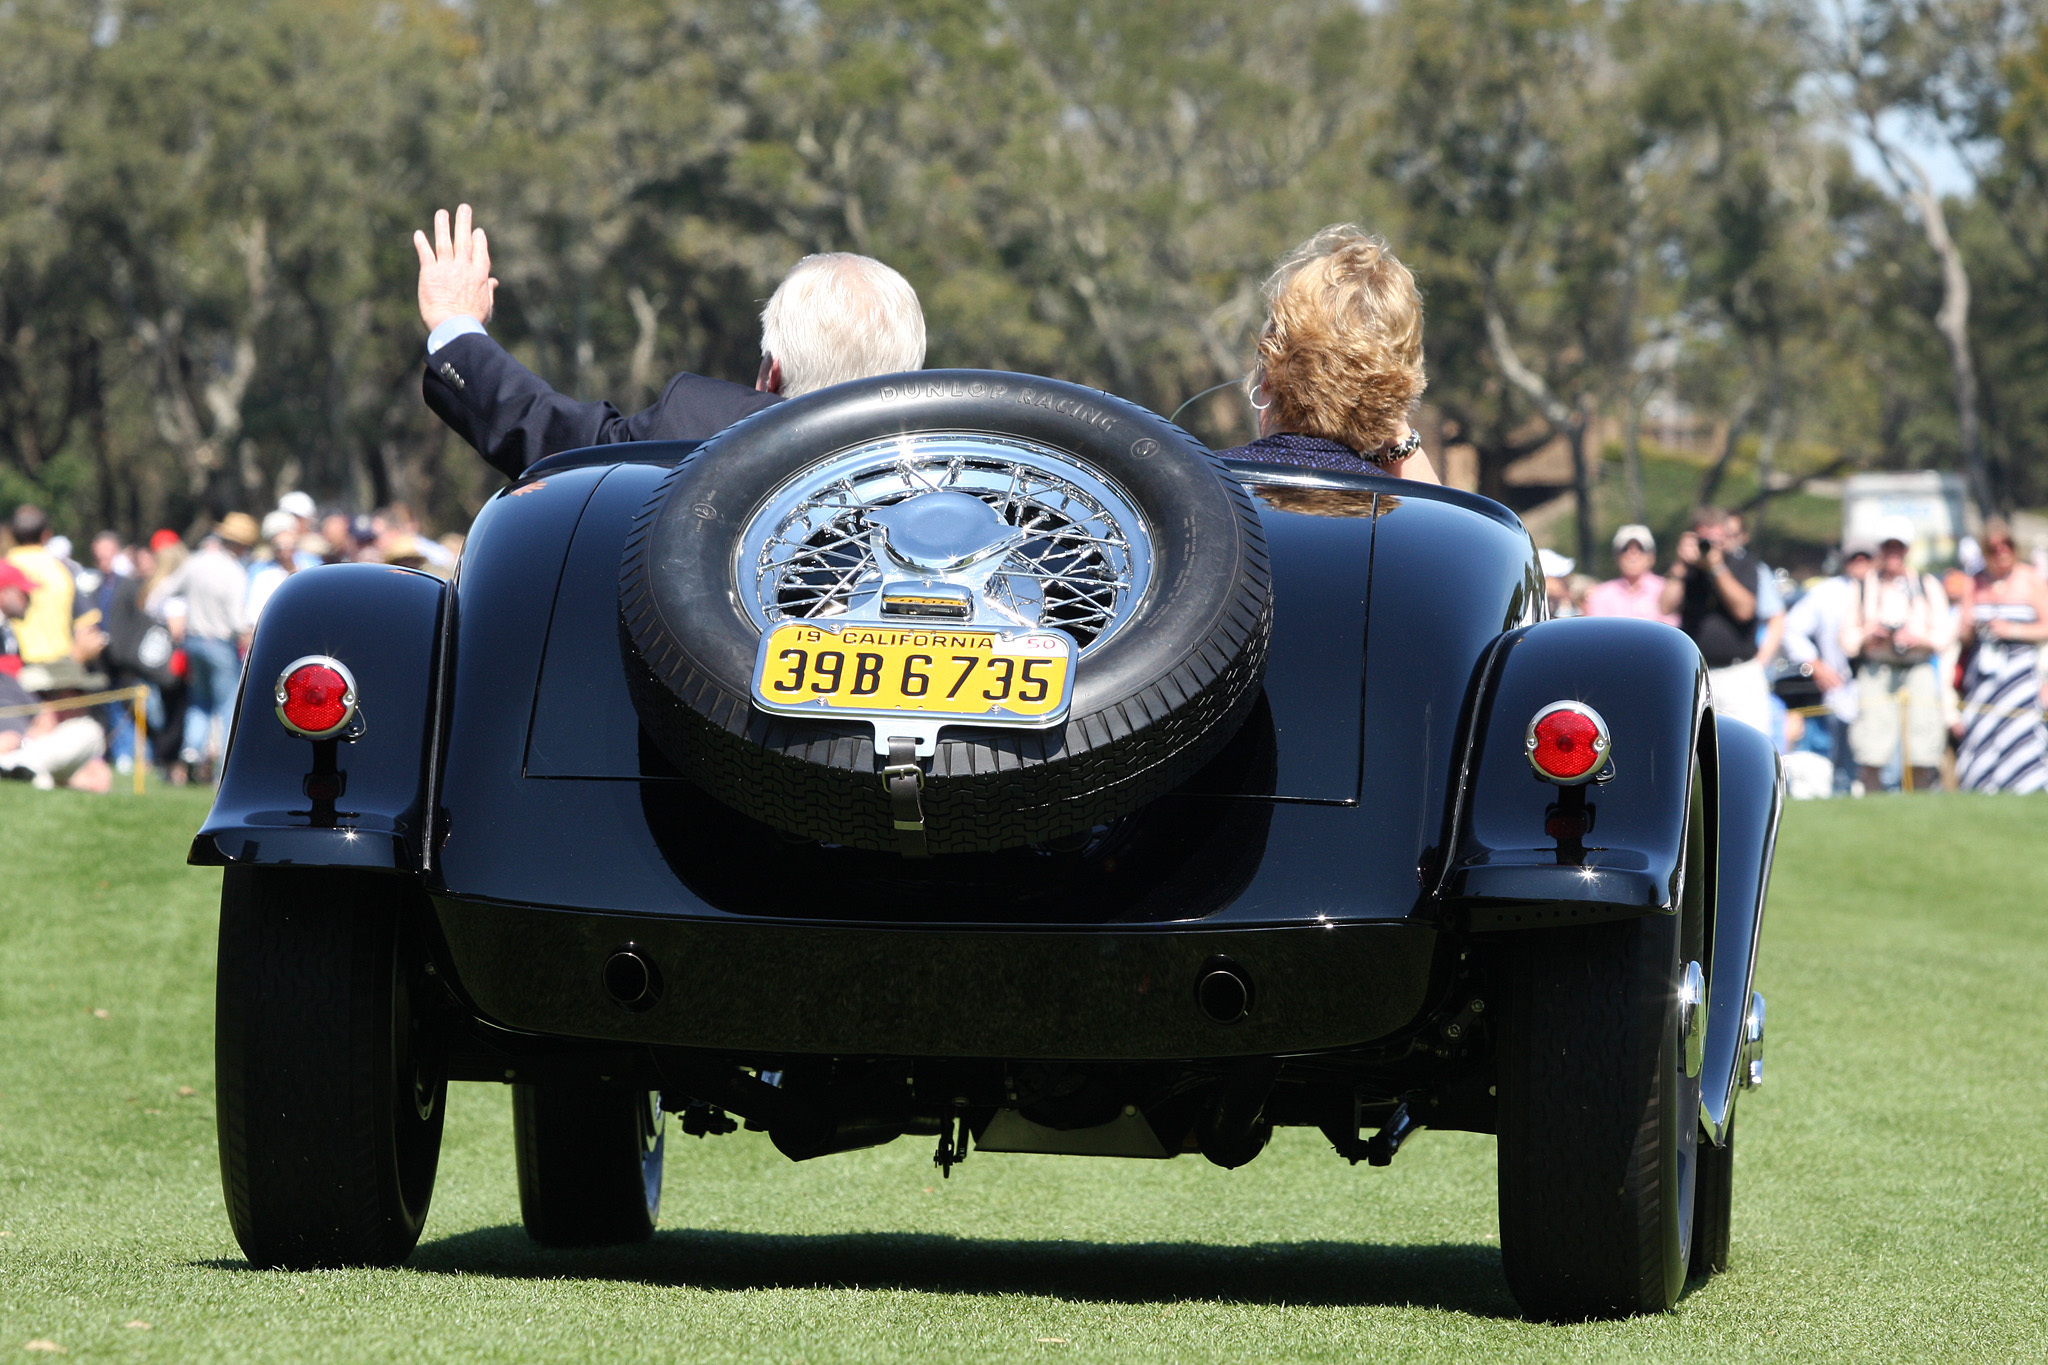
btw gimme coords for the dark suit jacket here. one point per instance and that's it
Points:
(513, 418)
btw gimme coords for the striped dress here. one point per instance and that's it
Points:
(2005, 746)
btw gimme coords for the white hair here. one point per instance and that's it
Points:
(837, 317)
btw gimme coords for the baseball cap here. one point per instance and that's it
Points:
(1555, 565)
(1859, 545)
(298, 504)
(277, 523)
(1637, 532)
(12, 577)
(164, 540)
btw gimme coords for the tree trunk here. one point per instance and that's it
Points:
(1632, 456)
(640, 376)
(1738, 421)
(1952, 318)
(1570, 421)
(1582, 490)
(205, 432)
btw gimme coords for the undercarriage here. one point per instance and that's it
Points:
(1438, 1073)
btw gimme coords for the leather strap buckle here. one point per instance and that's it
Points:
(903, 781)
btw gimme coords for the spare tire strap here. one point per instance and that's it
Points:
(903, 779)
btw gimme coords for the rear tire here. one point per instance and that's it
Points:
(331, 1084)
(1714, 1205)
(1598, 1123)
(590, 1159)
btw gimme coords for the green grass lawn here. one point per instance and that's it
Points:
(1889, 1201)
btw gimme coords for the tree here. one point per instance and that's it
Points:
(1887, 58)
(1521, 146)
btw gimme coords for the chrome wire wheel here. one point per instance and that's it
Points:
(807, 552)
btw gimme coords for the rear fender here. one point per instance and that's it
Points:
(1750, 800)
(1648, 683)
(386, 625)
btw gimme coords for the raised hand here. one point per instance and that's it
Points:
(455, 270)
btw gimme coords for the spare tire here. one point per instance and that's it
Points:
(1135, 542)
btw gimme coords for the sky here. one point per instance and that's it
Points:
(1951, 176)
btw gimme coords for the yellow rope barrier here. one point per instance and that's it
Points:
(78, 703)
(1965, 707)
(1966, 711)
(137, 697)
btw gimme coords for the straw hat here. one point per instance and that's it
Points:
(237, 528)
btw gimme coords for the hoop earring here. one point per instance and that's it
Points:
(1256, 404)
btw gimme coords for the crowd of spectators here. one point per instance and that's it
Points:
(166, 614)
(1868, 677)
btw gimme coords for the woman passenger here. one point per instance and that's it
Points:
(2004, 744)
(1340, 361)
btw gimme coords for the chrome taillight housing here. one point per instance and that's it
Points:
(1568, 743)
(316, 697)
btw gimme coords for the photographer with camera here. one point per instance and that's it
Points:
(1713, 589)
(1813, 642)
(1894, 629)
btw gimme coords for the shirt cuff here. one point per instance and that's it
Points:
(460, 325)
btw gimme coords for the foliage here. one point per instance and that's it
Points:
(205, 283)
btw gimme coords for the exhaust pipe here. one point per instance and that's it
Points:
(801, 1134)
(631, 979)
(1223, 991)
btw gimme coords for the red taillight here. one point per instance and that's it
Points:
(1568, 743)
(316, 697)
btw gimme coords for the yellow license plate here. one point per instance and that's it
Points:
(991, 677)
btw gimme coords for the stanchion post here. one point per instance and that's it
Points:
(1905, 755)
(140, 758)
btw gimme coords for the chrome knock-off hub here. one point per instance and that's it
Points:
(996, 531)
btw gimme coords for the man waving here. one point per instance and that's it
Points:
(833, 318)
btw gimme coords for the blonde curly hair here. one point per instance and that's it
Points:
(1341, 353)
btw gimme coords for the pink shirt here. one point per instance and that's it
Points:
(1616, 598)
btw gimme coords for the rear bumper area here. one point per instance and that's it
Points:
(780, 988)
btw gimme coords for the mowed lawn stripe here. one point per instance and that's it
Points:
(1890, 1195)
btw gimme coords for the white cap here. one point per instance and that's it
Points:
(278, 522)
(60, 546)
(1970, 556)
(1894, 528)
(1555, 565)
(298, 504)
(1637, 532)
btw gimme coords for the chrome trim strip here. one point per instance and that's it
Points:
(1717, 1102)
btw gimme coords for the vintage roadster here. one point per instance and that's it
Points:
(976, 756)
